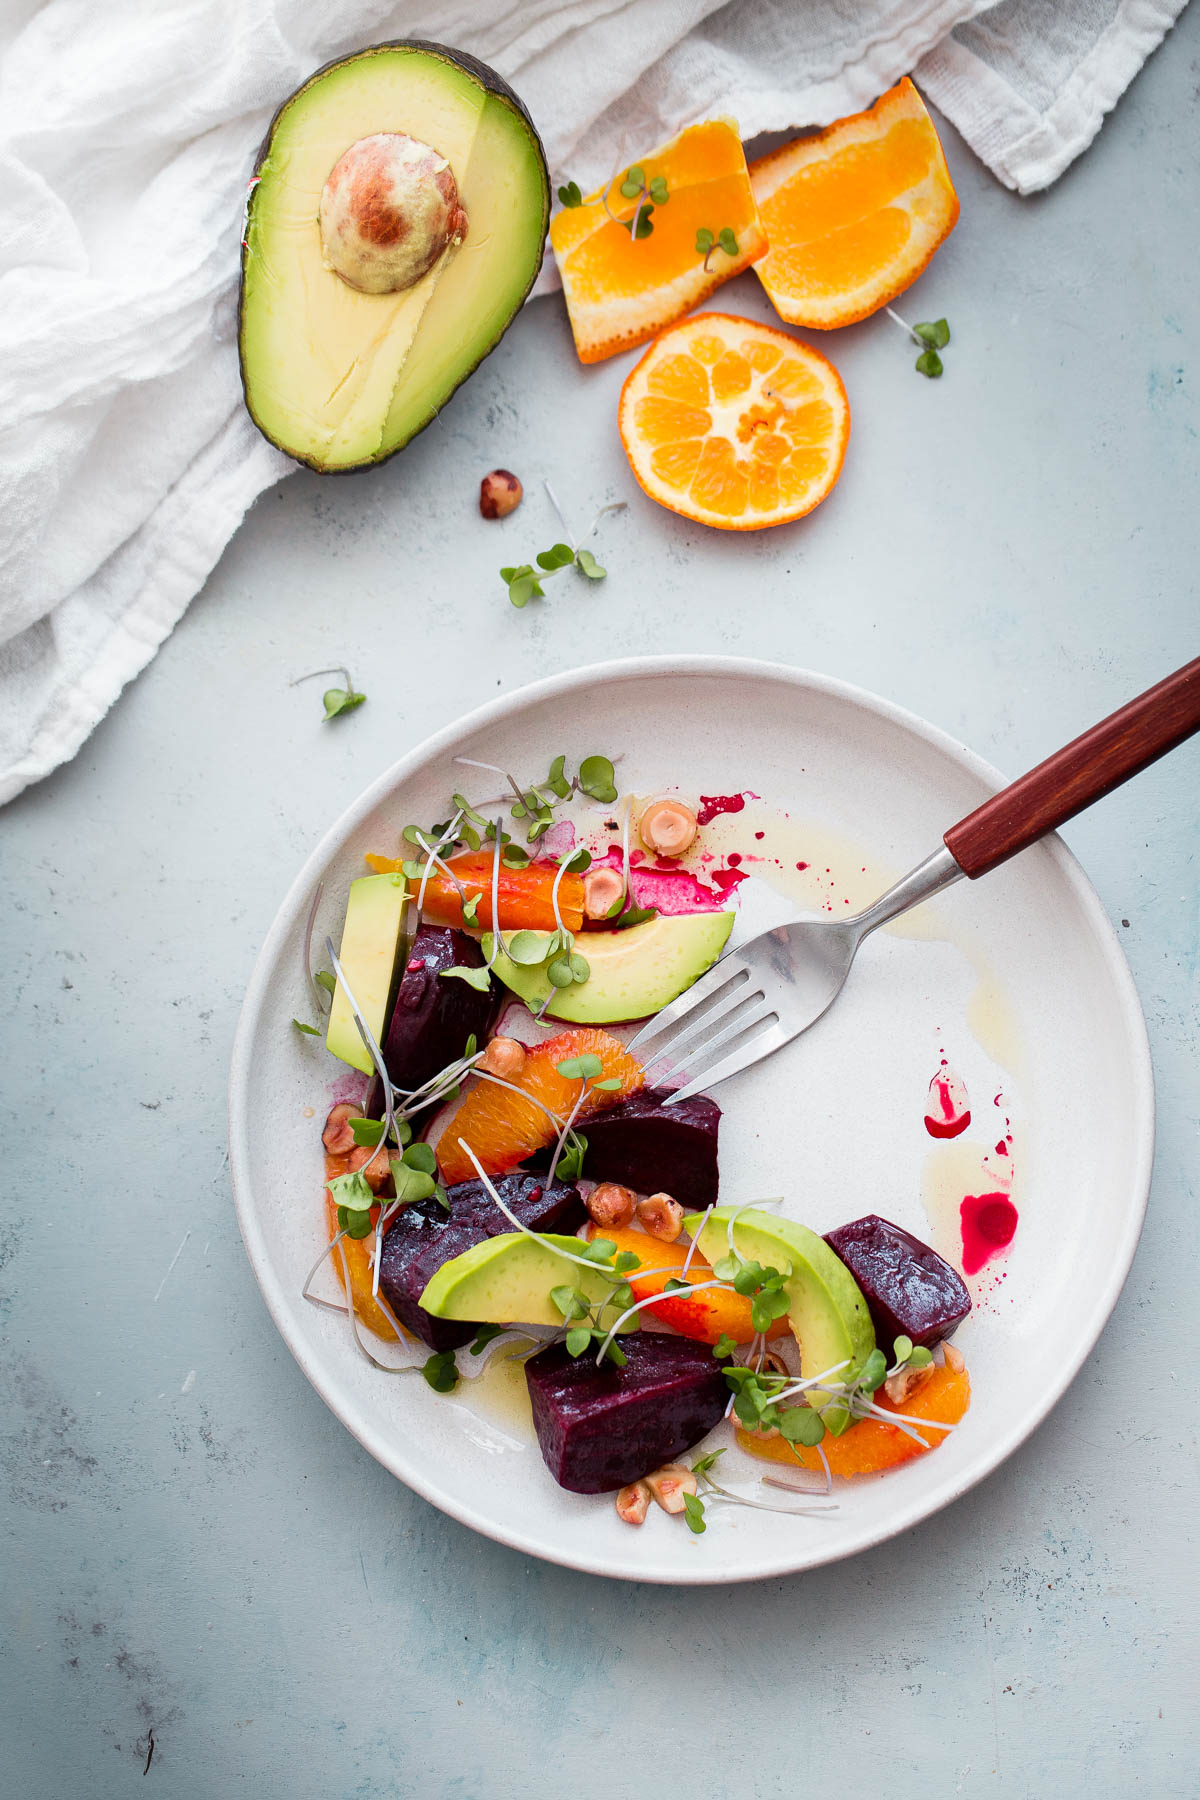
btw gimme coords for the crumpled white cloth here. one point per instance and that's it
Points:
(127, 137)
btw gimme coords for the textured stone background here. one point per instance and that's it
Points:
(194, 1544)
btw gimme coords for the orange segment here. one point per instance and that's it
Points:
(871, 1445)
(504, 1128)
(853, 213)
(706, 1316)
(768, 441)
(621, 290)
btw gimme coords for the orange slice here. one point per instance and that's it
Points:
(853, 213)
(872, 1445)
(620, 289)
(706, 1316)
(735, 424)
(504, 1128)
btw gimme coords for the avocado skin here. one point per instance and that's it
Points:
(492, 84)
(425, 1236)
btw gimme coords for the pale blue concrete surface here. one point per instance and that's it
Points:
(1012, 552)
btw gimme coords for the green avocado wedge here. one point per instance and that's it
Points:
(340, 379)
(507, 1279)
(826, 1310)
(634, 973)
(371, 939)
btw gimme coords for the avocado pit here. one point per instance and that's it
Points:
(389, 209)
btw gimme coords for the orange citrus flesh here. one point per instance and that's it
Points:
(358, 1264)
(504, 1128)
(524, 894)
(853, 213)
(871, 1445)
(703, 1316)
(734, 424)
(619, 289)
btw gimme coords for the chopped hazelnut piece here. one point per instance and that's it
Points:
(661, 1216)
(669, 1484)
(504, 1056)
(499, 494)
(602, 888)
(899, 1386)
(633, 1503)
(668, 827)
(611, 1204)
(337, 1136)
(373, 1161)
(954, 1358)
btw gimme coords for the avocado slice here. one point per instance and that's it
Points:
(340, 379)
(634, 973)
(826, 1309)
(370, 941)
(508, 1278)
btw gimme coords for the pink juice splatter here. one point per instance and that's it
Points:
(948, 1109)
(989, 1224)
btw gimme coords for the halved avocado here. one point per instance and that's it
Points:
(341, 379)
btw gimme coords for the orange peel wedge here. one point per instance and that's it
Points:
(853, 213)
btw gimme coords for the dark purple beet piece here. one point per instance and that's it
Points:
(600, 1428)
(432, 1018)
(656, 1148)
(910, 1290)
(425, 1235)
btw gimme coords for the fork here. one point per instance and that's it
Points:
(761, 996)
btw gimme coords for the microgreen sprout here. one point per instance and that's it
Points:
(336, 700)
(441, 1371)
(931, 335)
(707, 242)
(570, 194)
(308, 1030)
(524, 581)
(646, 195)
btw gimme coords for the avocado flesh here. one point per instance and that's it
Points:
(338, 378)
(509, 1278)
(634, 973)
(371, 939)
(826, 1309)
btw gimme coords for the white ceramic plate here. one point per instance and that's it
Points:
(1018, 976)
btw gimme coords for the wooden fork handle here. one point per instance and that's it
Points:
(1085, 770)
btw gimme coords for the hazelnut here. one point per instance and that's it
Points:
(661, 1216)
(668, 827)
(499, 494)
(611, 1204)
(954, 1358)
(337, 1136)
(899, 1386)
(602, 888)
(633, 1503)
(388, 211)
(669, 1484)
(504, 1056)
(374, 1163)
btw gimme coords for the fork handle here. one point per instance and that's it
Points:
(1083, 771)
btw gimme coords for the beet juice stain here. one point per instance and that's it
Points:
(989, 1224)
(712, 804)
(948, 1110)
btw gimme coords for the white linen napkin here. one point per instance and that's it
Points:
(127, 137)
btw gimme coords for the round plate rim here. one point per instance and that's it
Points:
(296, 900)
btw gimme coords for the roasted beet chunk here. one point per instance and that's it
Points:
(911, 1290)
(425, 1235)
(600, 1428)
(433, 1017)
(656, 1148)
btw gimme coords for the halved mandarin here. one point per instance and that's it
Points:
(853, 213)
(873, 1445)
(503, 1127)
(734, 424)
(621, 289)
